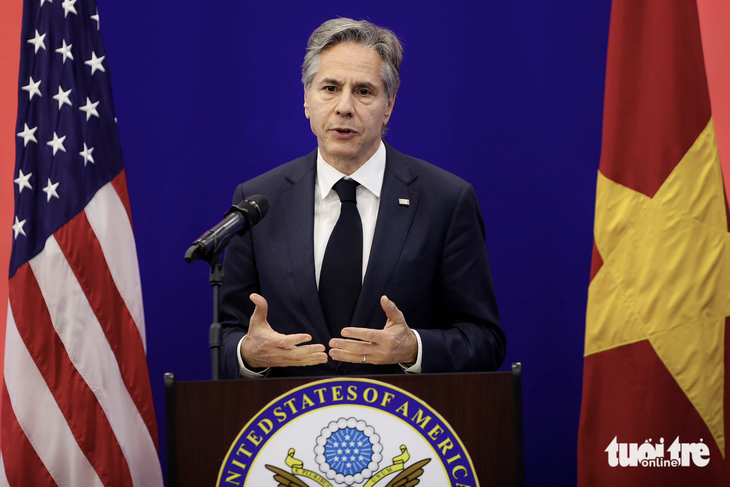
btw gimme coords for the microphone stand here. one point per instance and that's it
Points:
(214, 334)
(216, 280)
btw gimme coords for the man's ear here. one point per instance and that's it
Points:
(306, 104)
(389, 109)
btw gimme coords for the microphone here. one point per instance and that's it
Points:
(239, 219)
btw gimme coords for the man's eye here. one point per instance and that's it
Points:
(331, 89)
(364, 92)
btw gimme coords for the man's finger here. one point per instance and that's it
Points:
(391, 310)
(364, 334)
(353, 357)
(355, 346)
(298, 356)
(291, 341)
(261, 310)
(317, 358)
(310, 355)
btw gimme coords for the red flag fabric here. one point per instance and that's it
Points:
(9, 59)
(76, 401)
(655, 402)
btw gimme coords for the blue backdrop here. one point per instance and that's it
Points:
(508, 95)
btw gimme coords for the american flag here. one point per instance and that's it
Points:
(77, 403)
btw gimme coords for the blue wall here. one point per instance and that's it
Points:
(507, 95)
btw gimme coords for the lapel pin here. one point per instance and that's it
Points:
(404, 202)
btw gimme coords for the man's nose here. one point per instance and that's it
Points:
(345, 104)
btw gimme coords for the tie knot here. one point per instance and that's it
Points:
(345, 189)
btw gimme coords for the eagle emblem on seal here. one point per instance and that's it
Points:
(349, 451)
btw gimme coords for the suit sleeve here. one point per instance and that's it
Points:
(240, 279)
(468, 336)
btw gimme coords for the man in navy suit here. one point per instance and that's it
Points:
(423, 299)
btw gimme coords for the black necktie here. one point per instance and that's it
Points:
(340, 279)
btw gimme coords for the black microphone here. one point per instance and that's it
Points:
(239, 219)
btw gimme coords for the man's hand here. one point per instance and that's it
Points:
(263, 347)
(394, 344)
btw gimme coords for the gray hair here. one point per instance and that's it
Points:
(340, 30)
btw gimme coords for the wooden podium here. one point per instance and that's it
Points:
(484, 409)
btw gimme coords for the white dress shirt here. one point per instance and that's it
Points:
(327, 204)
(327, 212)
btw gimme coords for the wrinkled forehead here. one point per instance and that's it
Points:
(349, 62)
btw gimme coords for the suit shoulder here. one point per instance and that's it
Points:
(277, 179)
(428, 175)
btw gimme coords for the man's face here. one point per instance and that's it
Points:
(346, 105)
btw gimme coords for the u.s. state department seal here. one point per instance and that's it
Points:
(347, 433)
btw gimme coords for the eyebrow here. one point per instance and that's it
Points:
(330, 81)
(367, 85)
(358, 85)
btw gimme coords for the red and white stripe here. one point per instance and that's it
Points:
(77, 401)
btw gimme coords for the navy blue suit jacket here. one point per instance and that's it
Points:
(429, 257)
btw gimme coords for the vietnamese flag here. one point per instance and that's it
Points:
(656, 346)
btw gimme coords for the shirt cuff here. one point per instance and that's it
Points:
(413, 369)
(250, 374)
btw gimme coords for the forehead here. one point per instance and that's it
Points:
(350, 62)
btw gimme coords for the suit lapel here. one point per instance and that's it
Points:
(391, 229)
(298, 205)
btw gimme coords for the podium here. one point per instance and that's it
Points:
(484, 409)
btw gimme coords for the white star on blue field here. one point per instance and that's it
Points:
(348, 451)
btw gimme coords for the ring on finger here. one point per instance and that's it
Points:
(364, 358)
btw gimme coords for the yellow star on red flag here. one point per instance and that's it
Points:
(666, 275)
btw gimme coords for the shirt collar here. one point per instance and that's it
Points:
(369, 175)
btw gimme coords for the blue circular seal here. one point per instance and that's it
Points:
(348, 450)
